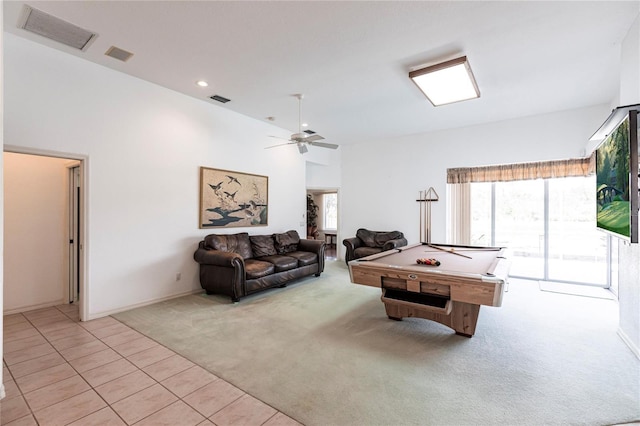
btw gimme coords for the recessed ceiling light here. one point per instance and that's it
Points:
(447, 82)
(202, 83)
(305, 124)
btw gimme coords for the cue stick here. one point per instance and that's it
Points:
(420, 216)
(449, 251)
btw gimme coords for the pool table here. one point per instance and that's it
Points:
(450, 293)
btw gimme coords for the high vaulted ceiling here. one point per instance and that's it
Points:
(351, 59)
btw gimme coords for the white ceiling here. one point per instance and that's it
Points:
(351, 59)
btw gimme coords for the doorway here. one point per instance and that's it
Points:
(44, 230)
(327, 219)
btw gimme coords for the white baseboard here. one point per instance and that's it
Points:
(141, 304)
(627, 340)
(33, 307)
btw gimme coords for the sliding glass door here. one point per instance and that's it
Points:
(577, 251)
(519, 225)
(548, 225)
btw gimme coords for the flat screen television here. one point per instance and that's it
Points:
(617, 177)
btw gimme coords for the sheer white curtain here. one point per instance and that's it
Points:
(459, 206)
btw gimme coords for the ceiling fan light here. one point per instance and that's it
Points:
(447, 82)
(299, 136)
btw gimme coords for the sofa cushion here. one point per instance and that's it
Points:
(366, 251)
(382, 237)
(304, 257)
(282, 263)
(366, 236)
(376, 238)
(255, 269)
(287, 242)
(234, 243)
(262, 245)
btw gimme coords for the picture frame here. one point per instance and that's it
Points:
(231, 199)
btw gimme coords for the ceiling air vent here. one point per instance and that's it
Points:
(119, 54)
(55, 29)
(310, 132)
(220, 99)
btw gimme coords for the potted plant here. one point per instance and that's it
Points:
(312, 216)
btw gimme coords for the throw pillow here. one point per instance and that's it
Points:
(287, 242)
(262, 245)
(234, 243)
(367, 237)
(383, 237)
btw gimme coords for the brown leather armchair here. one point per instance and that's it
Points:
(366, 243)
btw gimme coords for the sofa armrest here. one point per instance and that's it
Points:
(391, 244)
(351, 244)
(221, 272)
(314, 246)
(217, 257)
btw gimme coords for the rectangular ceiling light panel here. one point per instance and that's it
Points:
(448, 82)
(56, 29)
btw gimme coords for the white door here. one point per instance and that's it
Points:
(74, 233)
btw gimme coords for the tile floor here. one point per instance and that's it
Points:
(59, 371)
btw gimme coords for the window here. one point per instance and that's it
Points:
(577, 251)
(548, 225)
(543, 212)
(330, 211)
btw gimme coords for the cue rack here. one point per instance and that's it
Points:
(425, 199)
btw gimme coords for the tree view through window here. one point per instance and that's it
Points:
(330, 210)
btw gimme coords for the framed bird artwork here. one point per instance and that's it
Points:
(231, 199)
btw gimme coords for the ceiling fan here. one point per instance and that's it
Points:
(302, 139)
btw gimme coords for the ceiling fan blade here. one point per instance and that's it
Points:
(325, 145)
(313, 138)
(278, 137)
(282, 144)
(302, 148)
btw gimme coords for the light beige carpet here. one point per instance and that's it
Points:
(323, 351)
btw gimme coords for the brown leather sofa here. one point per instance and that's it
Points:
(366, 243)
(238, 265)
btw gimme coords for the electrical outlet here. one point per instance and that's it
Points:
(178, 276)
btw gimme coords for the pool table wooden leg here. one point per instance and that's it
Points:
(464, 317)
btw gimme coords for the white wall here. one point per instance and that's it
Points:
(629, 254)
(144, 146)
(381, 181)
(35, 224)
(323, 170)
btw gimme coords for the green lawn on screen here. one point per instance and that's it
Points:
(614, 217)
